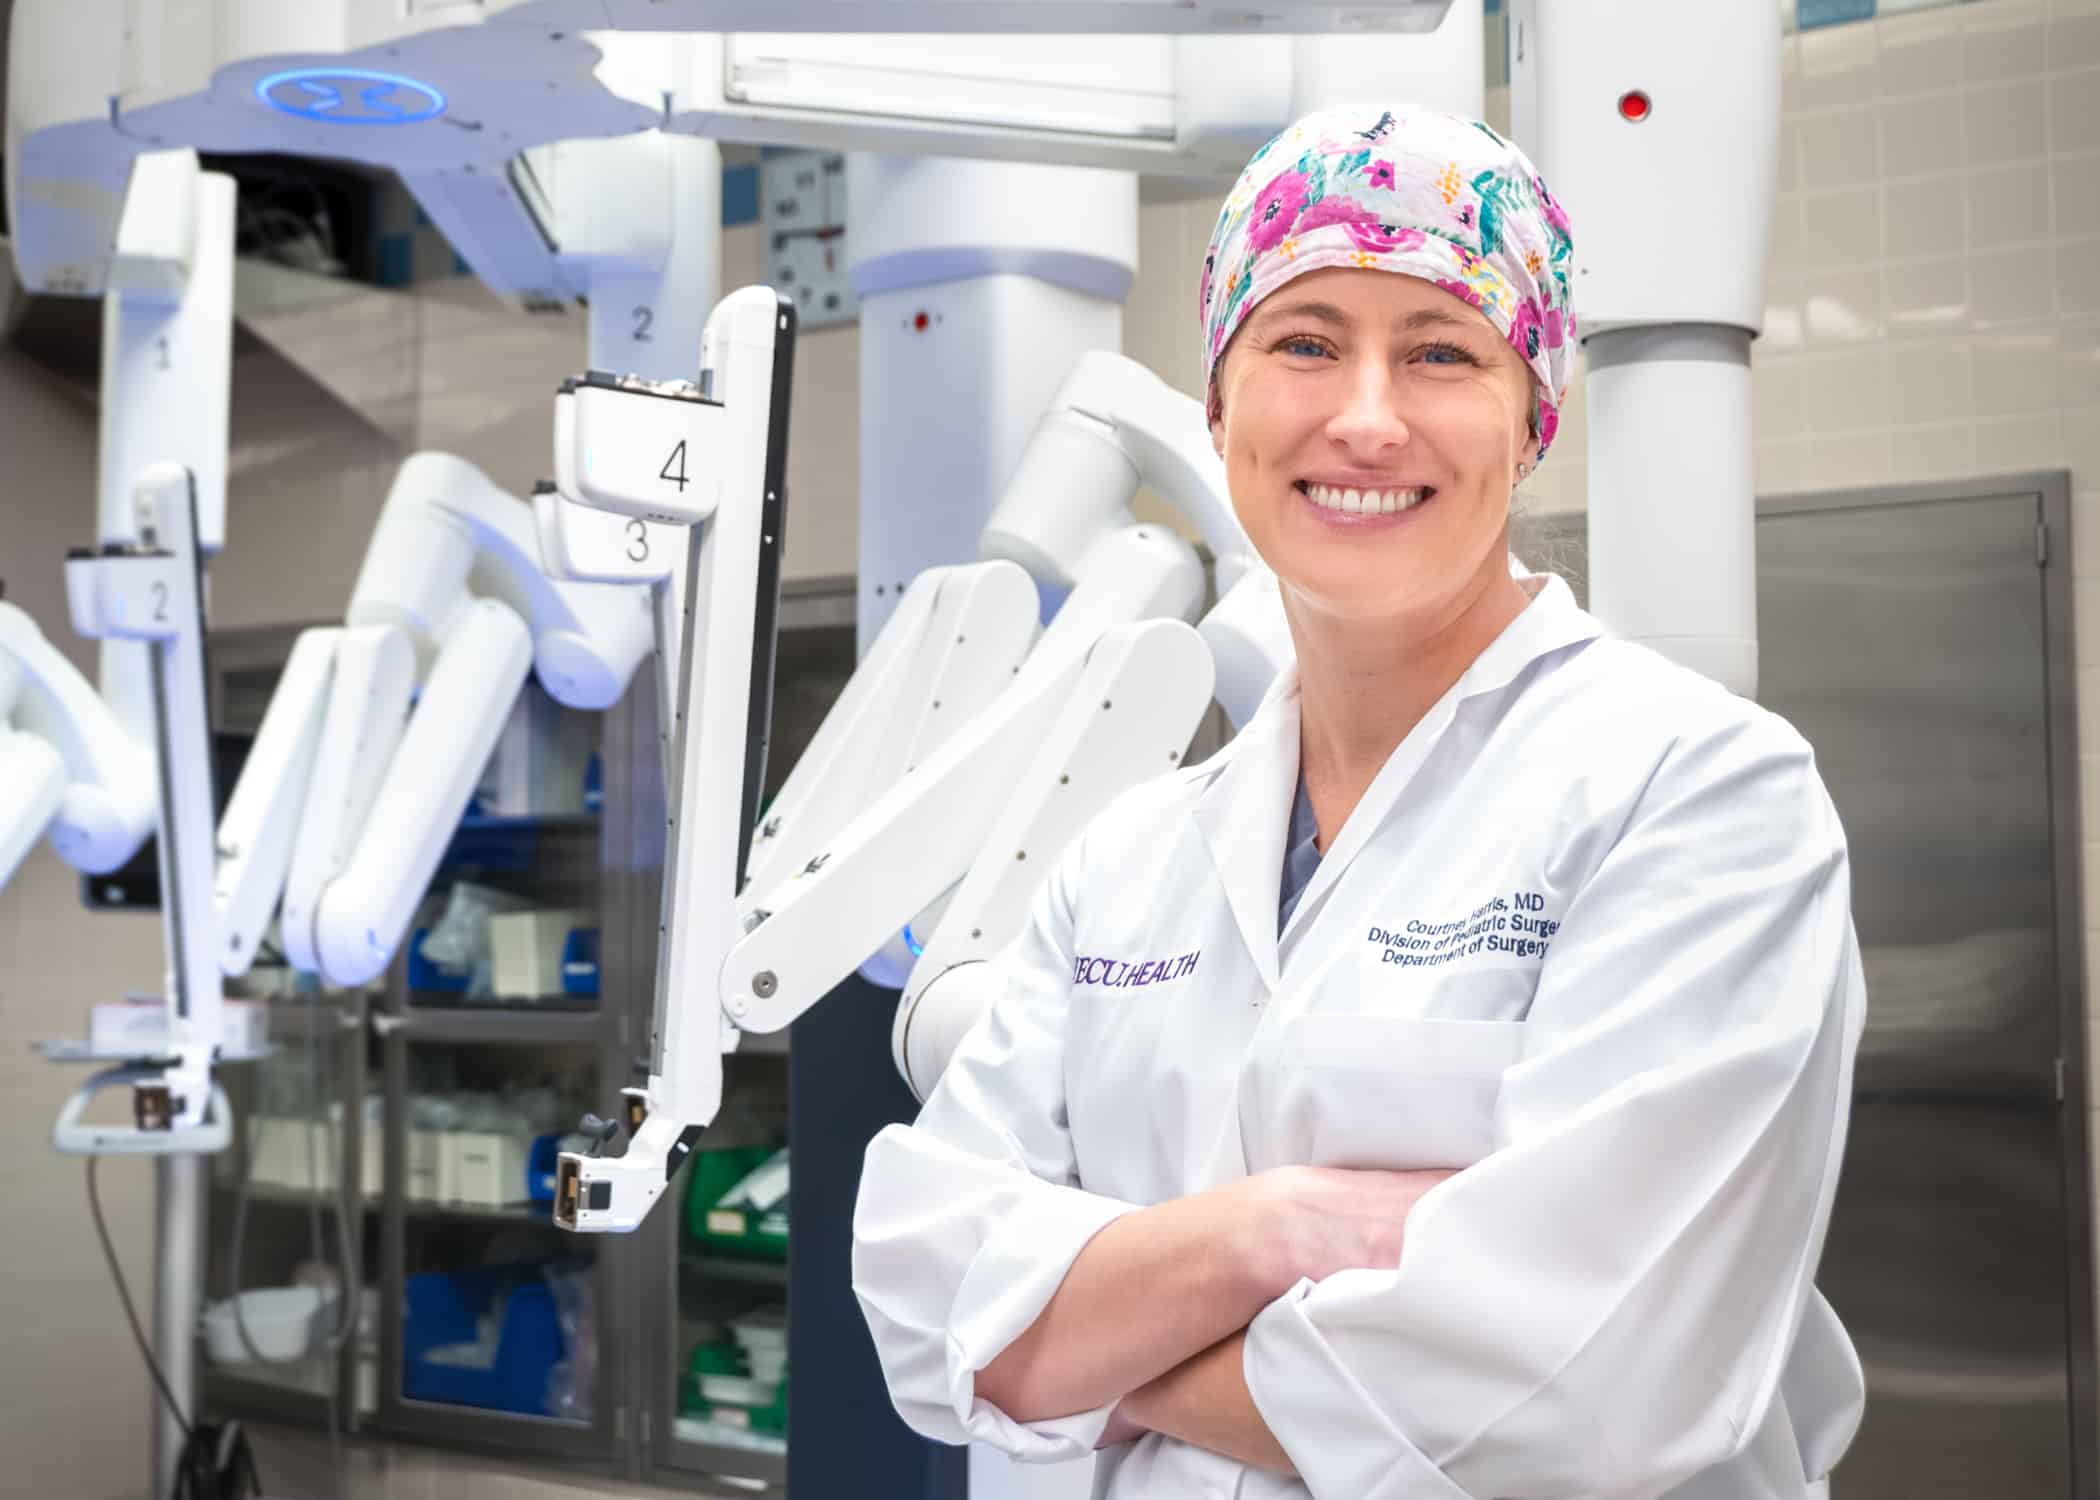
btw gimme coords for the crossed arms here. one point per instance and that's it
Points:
(1153, 1313)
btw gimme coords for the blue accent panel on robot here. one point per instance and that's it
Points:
(350, 96)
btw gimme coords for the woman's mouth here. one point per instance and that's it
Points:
(1357, 508)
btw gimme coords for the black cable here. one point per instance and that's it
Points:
(138, 1335)
(215, 1463)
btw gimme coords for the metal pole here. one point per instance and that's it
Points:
(178, 1183)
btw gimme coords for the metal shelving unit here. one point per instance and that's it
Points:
(653, 1292)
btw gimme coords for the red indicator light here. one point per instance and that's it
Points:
(1635, 106)
(919, 322)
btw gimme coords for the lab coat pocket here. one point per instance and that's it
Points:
(1361, 1090)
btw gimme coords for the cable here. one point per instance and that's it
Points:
(138, 1335)
(215, 1463)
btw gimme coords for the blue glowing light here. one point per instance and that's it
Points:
(350, 96)
(912, 942)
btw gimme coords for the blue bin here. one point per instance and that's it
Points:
(579, 962)
(541, 1164)
(444, 1307)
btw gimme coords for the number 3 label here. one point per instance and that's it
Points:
(638, 531)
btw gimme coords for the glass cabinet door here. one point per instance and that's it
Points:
(494, 1321)
(716, 1335)
(289, 1323)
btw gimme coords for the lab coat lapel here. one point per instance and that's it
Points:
(1552, 620)
(1244, 816)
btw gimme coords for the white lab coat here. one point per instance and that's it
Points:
(1587, 936)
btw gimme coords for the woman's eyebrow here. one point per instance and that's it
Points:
(1328, 313)
(1318, 312)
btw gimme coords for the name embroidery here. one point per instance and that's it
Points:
(1513, 926)
(1123, 974)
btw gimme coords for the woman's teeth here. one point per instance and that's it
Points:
(1363, 502)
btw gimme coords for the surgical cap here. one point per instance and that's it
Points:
(1410, 190)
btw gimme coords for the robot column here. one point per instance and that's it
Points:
(980, 284)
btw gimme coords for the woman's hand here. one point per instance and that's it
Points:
(1311, 1222)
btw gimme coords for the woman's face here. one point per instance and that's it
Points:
(1363, 387)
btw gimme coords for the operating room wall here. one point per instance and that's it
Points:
(72, 1393)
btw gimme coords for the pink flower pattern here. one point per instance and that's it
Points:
(1275, 211)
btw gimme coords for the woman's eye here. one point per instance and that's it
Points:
(1311, 348)
(1448, 354)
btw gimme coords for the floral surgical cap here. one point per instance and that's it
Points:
(1410, 190)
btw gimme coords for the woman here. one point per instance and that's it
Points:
(1439, 1092)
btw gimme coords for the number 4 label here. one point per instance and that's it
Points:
(675, 461)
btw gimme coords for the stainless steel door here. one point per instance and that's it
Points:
(1909, 642)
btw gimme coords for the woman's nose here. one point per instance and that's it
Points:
(1369, 419)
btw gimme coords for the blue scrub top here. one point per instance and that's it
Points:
(1301, 856)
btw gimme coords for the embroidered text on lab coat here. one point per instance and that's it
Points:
(1512, 926)
(1121, 973)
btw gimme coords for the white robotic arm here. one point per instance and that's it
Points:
(69, 765)
(151, 591)
(379, 730)
(731, 432)
(1113, 427)
(937, 874)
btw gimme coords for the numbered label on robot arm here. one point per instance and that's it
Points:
(587, 545)
(123, 594)
(646, 449)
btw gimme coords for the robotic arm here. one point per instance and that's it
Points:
(379, 729)
(1111, 696)
(71, 767)
(151, 592)
(711, 457)
(1066, 514)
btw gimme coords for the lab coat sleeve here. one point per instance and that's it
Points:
(968, 1219)
(1604, 1305)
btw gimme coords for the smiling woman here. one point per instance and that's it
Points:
(1478, 1133)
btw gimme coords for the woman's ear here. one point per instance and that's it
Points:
(1214, 410)
(1528, 451)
